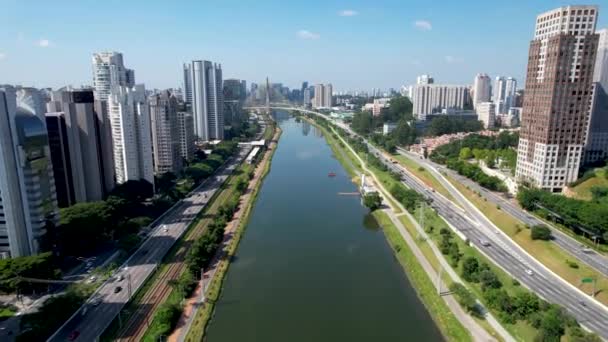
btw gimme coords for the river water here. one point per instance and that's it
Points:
(312, 265)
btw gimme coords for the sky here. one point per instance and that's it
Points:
(355, 45)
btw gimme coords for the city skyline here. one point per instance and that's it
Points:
(443, 45)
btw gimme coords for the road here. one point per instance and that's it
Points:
(91, 320)
(567, 243)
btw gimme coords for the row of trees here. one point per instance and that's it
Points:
(504, 158)
(504, 140)
(578, 215)
(447, 124)
(475, 173)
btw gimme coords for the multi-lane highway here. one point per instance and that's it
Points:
(567, 243)
(89, 322)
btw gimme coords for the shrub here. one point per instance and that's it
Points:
(540, 232)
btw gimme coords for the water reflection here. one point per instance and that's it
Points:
(370, 222)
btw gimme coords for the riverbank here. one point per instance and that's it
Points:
(449, 325)
(195, 319)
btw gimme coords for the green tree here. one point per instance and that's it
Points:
(372, 201)
(540, 232)
(470, 268)
(465, 153)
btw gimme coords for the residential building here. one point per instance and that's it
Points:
(510, 119)
(323, 95)
(165, 133)
(377, 106)
(106, 144)
(486, 113)
(481, 89)
(74, 140)
(187, 139)
(206, 87)
(308, 96)
(131, 134)
(188, 85)
(424, 80)
(596, 146)
(433, 98)
(109, 71)
(559, 93)
(28, 201)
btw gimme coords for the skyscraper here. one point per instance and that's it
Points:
(131, 134)
(206, 87)
(596, 148)
(27, 187)
(75, 151)
(188, 85)
(165, 133)
(558, 97)
(323, 96)
(481, 89)
(185, 123)
(108, 71)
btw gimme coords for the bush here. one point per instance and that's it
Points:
(466, 299)
(372, 201)
(572, 264)
(540, 232)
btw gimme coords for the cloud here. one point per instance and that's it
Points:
(304, 34)
(451, 59)
(348, 13)
(423, 25)
(43, 43)
(2, 56)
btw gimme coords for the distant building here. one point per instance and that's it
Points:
(109, 71)
(187, 139)
(596, 146)
(554, 127)
(388, 127)
(481, 89)
(424, 80)
(486, 113)
(203, 79)
(323, 96)
(504, 94)
(377, 106)
(510, 119)
(165, 133)
(131, 134)
(27, 187)
(433, 98)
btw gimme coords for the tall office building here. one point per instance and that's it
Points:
(558, 99)
(323, 94)
(434, 98)
(188, 85)
(27, 187)
(165, 133)
(75, 147)
(187, 139)
(203, 79)
(481, 89)
(106, 144)
(131, 134)
(109, 71)
(233, 90)
(596, 147)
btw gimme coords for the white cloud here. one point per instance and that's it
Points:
(423, 25)
(348, 13)
(451, 59)
(44, 43)
(2, 56)
(304, 34)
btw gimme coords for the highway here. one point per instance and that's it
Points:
(89, 322)
(567, 243)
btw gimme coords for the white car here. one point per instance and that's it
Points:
(529, 271)
(92, 279)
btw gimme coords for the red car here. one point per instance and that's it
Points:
(74, 335)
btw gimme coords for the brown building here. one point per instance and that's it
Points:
(559, 93)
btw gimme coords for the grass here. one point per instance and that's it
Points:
(425, 175)
(583, 191)
(7, 311)
(199, 325)
(449, 326)
(548, 253)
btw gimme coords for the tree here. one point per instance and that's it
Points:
(165, 183)
(540, 232)
(465, 153)
(470, 267)
(400, 107)
(372, 200)
(82, 226)
(598, 192)
(488, 279)
(490, 159)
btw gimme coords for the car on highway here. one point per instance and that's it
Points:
(485, 243)
(121, 277)
(73, 335)
(92, 279)
(529, 272)
(117, 289)
(96, 302)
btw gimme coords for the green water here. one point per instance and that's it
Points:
(312, 265)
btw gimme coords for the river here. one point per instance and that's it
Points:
(312, 264)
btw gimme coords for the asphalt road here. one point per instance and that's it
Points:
(91, 320)
(567, 243)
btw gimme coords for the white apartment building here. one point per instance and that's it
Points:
(203, 79)
(433, 98)
(131, 134)
(481, 89)
(27, 185)
(108, 71)
(165, 133)
(558, 97)
(323, 96)
(486, 113)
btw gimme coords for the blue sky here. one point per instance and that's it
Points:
(352, 44)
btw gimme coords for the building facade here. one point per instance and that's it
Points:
(165, 133)
(109, 71)
(596, 147)
(323, 96)
(28, 202)
(559, 93)
(187, 139)
(131, 134)
(486, 113)
(434, 98)
(203, 79)
(481, 89)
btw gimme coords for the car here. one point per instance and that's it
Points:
(582, 303)
(121, 277)
(165, 229)
(96, 302)
(92, 279)
(484, 242)
(117, 289)
(73, 335)
(529, 272)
